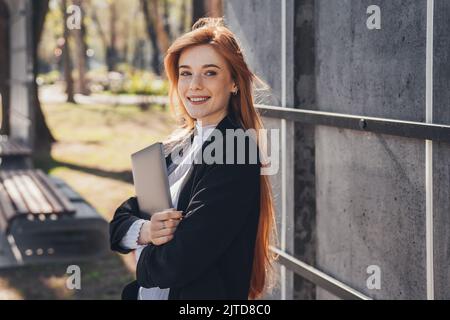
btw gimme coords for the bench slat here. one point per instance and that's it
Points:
(14, 194)
(29, 200)
(6, 209)
(6, 205)
(67, 205)
(57, 207)
(29, 191)
(45, 206)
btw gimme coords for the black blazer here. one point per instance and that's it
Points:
(211, 253)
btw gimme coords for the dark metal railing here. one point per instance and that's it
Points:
(318, 277)
(409, 129)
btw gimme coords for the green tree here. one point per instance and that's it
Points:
(67, 59)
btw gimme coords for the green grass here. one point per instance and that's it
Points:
(94, 147)
(108, 134)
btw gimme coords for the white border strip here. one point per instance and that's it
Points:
(283, 278)
(429, 152)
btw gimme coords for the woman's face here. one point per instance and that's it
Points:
(203, 75)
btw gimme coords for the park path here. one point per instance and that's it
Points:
(56, 94)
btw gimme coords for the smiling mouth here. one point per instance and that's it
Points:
(198, 100)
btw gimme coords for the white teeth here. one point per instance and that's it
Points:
(198, 99)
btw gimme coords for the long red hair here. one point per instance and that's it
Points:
(213, 32)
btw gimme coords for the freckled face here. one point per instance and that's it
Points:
(204, 84)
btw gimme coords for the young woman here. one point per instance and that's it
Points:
(215, 244)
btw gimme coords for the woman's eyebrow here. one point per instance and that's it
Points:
(204, 66)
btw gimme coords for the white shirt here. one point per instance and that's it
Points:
(176, 181)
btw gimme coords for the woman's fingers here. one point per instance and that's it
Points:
(167, 214)
(161, 240)
(164, 232)
(171, 223)
(163, 225)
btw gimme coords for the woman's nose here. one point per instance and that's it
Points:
(195, 83)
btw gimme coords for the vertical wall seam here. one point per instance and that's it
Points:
(283, 147)
(429, 152)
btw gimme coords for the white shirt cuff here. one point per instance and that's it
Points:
(130, 240)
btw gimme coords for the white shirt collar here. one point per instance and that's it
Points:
(205, 130)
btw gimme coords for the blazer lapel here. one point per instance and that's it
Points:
(198, 169)
(169, 163)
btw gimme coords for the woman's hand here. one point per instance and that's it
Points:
(160, 228)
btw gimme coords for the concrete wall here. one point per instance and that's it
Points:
(304, 184)
(371, 187)
(360, 198)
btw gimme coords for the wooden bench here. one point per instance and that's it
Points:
(32, 194)
(14, 154)
(11, 148)
(43, 220)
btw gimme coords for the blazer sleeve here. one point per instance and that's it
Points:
(125, 215)
(220, 205)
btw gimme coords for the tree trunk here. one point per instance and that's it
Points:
(80, 37)
(151, 32)
(198, 10)
(111, 51)
(126, 36)
(166, 21)
(138, 54)
(5, 68)
(158, 23)
(101, 33)
(42, 144)
(214, 8)
(182, 25)
(67, 61)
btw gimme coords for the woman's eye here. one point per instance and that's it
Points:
(208, 73)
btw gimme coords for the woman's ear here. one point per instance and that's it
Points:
(234, 89)
(234, 86)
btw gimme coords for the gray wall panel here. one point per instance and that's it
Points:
(370, 211)
(371, 188)
(378, 73)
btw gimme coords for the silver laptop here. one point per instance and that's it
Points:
(150, 178)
